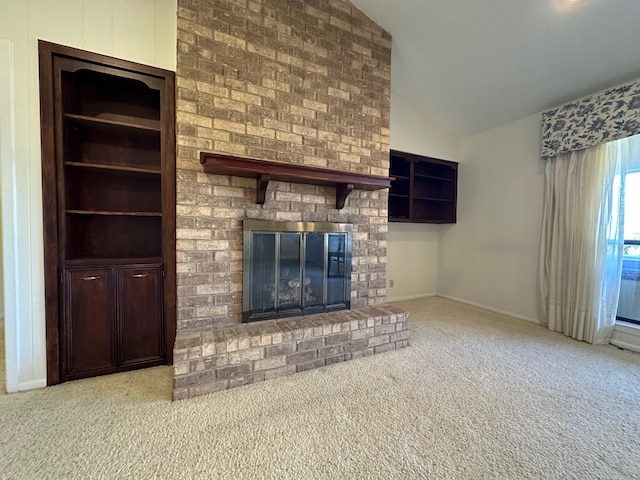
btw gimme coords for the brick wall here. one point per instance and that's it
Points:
(292, 81)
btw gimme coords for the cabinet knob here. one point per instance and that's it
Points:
(90, 278)
(140, 275)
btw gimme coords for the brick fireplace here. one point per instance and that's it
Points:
(289, 81)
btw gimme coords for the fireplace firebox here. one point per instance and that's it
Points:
(295, 268)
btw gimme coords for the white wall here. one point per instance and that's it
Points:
(413, 132)
(412, 261)
(489, 258)
(412, 249)
(142, 31)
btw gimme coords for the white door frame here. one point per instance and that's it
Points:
(9, 217)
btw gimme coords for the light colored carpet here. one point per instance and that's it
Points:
(476, 395)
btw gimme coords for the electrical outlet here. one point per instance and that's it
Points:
(390, 283)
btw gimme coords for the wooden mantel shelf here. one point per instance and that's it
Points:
(265, 171)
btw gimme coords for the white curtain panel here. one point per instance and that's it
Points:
(582, 242)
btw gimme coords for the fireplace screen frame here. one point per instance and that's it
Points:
(252, 227)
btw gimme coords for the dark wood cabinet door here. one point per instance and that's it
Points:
(89, 322)
(140, 315)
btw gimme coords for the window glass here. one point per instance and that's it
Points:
(629, 301)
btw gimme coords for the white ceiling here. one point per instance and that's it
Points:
(471, 65)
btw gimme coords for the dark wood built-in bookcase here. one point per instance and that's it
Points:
(108, 172)
(424, 189)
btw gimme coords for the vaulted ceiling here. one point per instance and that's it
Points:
(471, 65)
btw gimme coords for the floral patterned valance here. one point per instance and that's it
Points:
(590, 121)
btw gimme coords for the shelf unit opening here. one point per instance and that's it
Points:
(109, 236)
(109, 96)
(112, 145)
(105, 190)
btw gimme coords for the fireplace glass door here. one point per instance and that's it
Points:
(289, 273)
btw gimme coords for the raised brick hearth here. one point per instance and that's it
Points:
(303, 82)
(226, 357)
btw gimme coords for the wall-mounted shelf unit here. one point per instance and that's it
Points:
(424, 189)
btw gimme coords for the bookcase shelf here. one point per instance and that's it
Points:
(130, 123)
(115, 168)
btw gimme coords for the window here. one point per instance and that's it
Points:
(629, 302)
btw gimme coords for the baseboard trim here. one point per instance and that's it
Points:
(625, 345)
(32, 385)
(410, 297)
(626, 336)
(491, 309)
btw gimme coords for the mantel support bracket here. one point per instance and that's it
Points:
(342, 192)
(262, 182)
